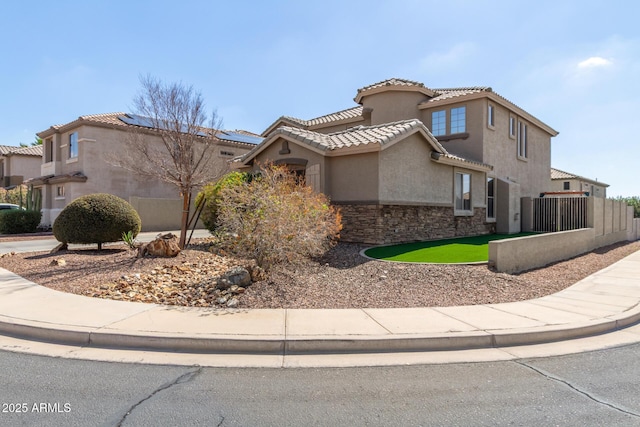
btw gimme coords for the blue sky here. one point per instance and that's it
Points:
(573, 64)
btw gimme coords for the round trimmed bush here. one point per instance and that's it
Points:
(96, 218)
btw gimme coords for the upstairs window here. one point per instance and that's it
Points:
(458, 120)
(48, 150)
(73, 145)
(512, 127)
(491, 116)
(566, 185)
(439, 123)
(522, 140)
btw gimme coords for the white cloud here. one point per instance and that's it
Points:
(594, 61)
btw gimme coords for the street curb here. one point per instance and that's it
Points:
(309, 345)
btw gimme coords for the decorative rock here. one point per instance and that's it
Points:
(60, 262)
(236, 276)
(233, 303)
(165, 245)
(60, 247)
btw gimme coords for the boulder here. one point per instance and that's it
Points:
(238, 276)
(164, 245)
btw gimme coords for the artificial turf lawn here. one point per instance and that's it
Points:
(447, 251)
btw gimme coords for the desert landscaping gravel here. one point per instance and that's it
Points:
(340, 279)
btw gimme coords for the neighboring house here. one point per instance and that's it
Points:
(414, 163)
(18, 164)
(564, 183)
(75, 161)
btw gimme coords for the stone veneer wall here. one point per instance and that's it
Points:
(380, 224)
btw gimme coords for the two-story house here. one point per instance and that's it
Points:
(18, 164)
(77, 160)
(412, 163)
(566, 183)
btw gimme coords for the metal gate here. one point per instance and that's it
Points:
(560, 213)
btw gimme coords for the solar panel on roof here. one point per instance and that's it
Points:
(238, 137)
(147, 122)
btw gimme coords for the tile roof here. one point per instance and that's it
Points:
(391, 82)
(349, 113)
(111, 120)
(358, 136)
(27, 151)
(442, 94)
(339, 116)
(557, 174)
(32, 150)
(394, 84)
(4, 149)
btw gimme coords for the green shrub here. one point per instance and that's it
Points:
(211, 192)
(16, 221)
(96, 218)
(632, 201)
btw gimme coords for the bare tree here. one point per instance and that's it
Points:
(186, 156)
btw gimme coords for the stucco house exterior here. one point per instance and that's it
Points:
(413, 163)
(566, 183)
(75, 162)
(18, 164)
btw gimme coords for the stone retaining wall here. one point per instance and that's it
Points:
(379, 224)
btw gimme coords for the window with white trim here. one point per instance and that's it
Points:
(462, 192)
(73, 145)
(522, 140)
(512, 127)
(491, 116)
(60, 191)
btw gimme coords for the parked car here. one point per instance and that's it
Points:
(4, 206)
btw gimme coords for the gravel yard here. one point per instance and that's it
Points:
(341, 279)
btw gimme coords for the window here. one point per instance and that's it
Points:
(566, 185)
(458, 120)
(522, 140)
(439, 123)
(73, 145)
(463, 192)
(48, 151)
(491, 198)
(512, 127)
(60, 191)
(491, 119)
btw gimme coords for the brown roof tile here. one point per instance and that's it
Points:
(357, 136)
(557, 174)
(111, 120)
(7, 150)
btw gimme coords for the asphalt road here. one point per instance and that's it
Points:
(599, 388)
(42, 245)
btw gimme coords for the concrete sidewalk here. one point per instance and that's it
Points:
(604, 302)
